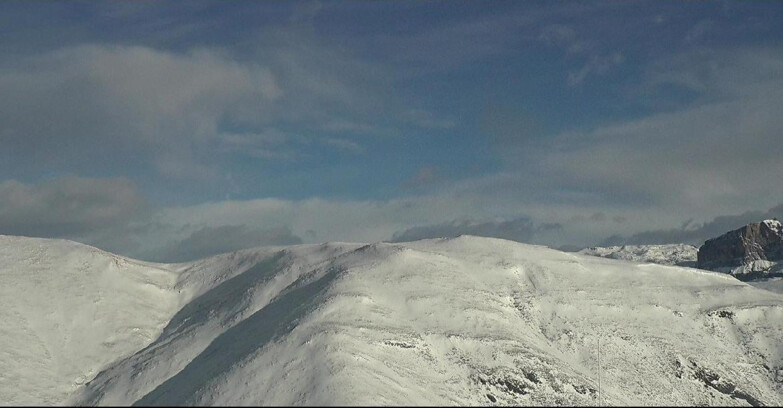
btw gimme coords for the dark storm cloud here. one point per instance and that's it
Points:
(695, 234)
(68, 206)
(520, 229)
(216, 240)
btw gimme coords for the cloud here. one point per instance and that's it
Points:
(95, 104)
(718, 74)
(696, 234)
(343, 145)
(69, 206)
(188, 115)
(619, 219)
(558, 35)
(454, 42)
(209, 241)
(313, 220)
(519, 229)
(271, 105)
(424, 178)
(426, 119)
(334, 220)
(305, 12)
(598, 217)
(112, 214)
(717, 155)
(484, 34)
(698, 31)
(271, 144)
(598, 62)
(596, 65)
(723, 151)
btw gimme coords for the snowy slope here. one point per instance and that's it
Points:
(450, 321)
(772, 284)
(668, 254)
(68, 310)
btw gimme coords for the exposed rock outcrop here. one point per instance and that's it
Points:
(750, 252)
(669, 254)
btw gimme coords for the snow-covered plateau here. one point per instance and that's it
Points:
(466, 321)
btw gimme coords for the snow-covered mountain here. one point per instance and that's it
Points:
(751, 252)
(68, 311)
(469, 321)
(667, 254)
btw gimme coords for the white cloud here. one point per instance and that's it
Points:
(111, 214)
(598, 62)
(105, 101)
(316, 220)
(596, 65)
(519, 229)
(720, 74)
(97, 108)
(209, 241)
(722, 153)
(344, 145)
(718, 155)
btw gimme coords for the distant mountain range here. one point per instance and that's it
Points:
(670, 254)
(752, 252)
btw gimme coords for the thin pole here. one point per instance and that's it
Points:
(599, 368)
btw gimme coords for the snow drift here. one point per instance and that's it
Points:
(469, 321)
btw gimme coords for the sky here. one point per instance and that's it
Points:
(170, 131)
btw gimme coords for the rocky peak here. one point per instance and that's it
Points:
(749, 252)
(774, 225)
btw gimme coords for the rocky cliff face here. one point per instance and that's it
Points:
(750, 252)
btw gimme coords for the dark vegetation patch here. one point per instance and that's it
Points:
(508, 383)
(513, 385)
(678, 369)
(532, 377)
(584, 389)
(400, 344)
(726, 314)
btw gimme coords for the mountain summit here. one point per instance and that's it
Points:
(750, 252)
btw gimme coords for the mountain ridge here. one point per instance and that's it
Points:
(468, 320)
(664, 254)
